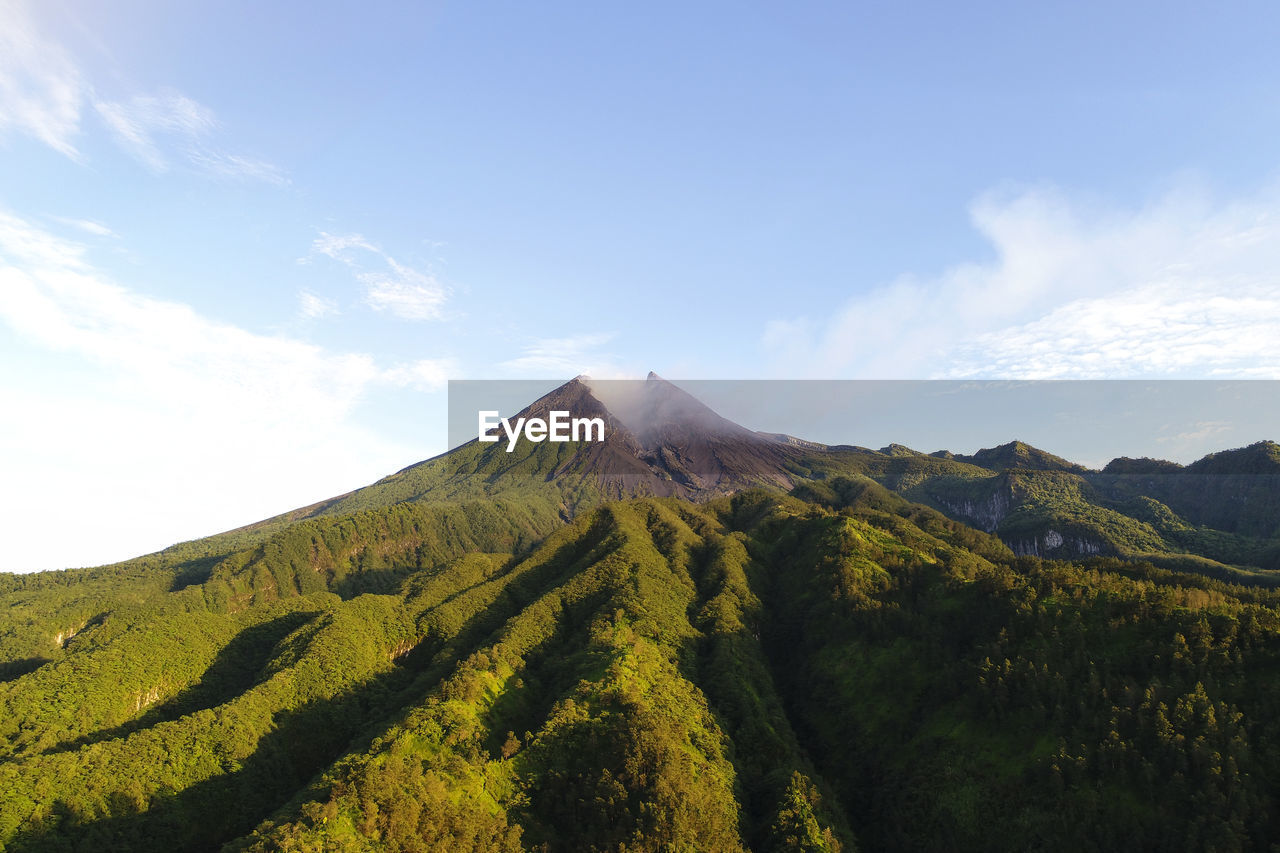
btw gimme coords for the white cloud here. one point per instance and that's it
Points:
(157, 423)
(389, 286)
(89, 226)
(314, 307)
(1172, 328)
(1181, 287)
(568, 356)
(404, 292)
(226, 165)
(153, 128)
(41, 90)
(1202, 430)
(336, 246)
(137, 123)
(422, 375)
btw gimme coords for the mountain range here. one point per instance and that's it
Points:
(1220, 514)
(687, 636)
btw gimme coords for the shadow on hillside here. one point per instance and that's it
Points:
(553, 669)
(378, 581)
(193, 572)
(207, 814)
(12, 670)
(234, 670)
(301, 744)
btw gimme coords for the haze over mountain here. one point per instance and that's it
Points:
(661, 441)
(658, 440)
(688, 635)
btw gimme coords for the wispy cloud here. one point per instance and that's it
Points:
(41, 89)
(404, 292)
(388, 284)
(54, 297)
(138, 122)
(153, 387)
(336, 245)
(423, 375)
(1181, 287)
(1202, 430)
(228, 165)
(313, 307)
(88, 226)
(43, 94)
(567, 356)
(157, 128)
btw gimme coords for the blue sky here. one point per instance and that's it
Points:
(243, 245)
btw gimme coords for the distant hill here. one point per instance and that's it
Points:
(1145, 465)
(1017, 454)
(1262, 457)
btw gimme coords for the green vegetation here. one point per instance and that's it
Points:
(1224, 509)
(529, 651)
(835, 669)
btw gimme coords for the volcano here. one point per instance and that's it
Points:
(660, 440)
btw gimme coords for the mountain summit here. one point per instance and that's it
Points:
(659, 440)
(658, 413)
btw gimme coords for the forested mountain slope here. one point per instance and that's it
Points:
(831, 670)
(1221, 511)
(692, 638)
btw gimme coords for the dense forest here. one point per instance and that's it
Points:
(715, 641)
(835, 669)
